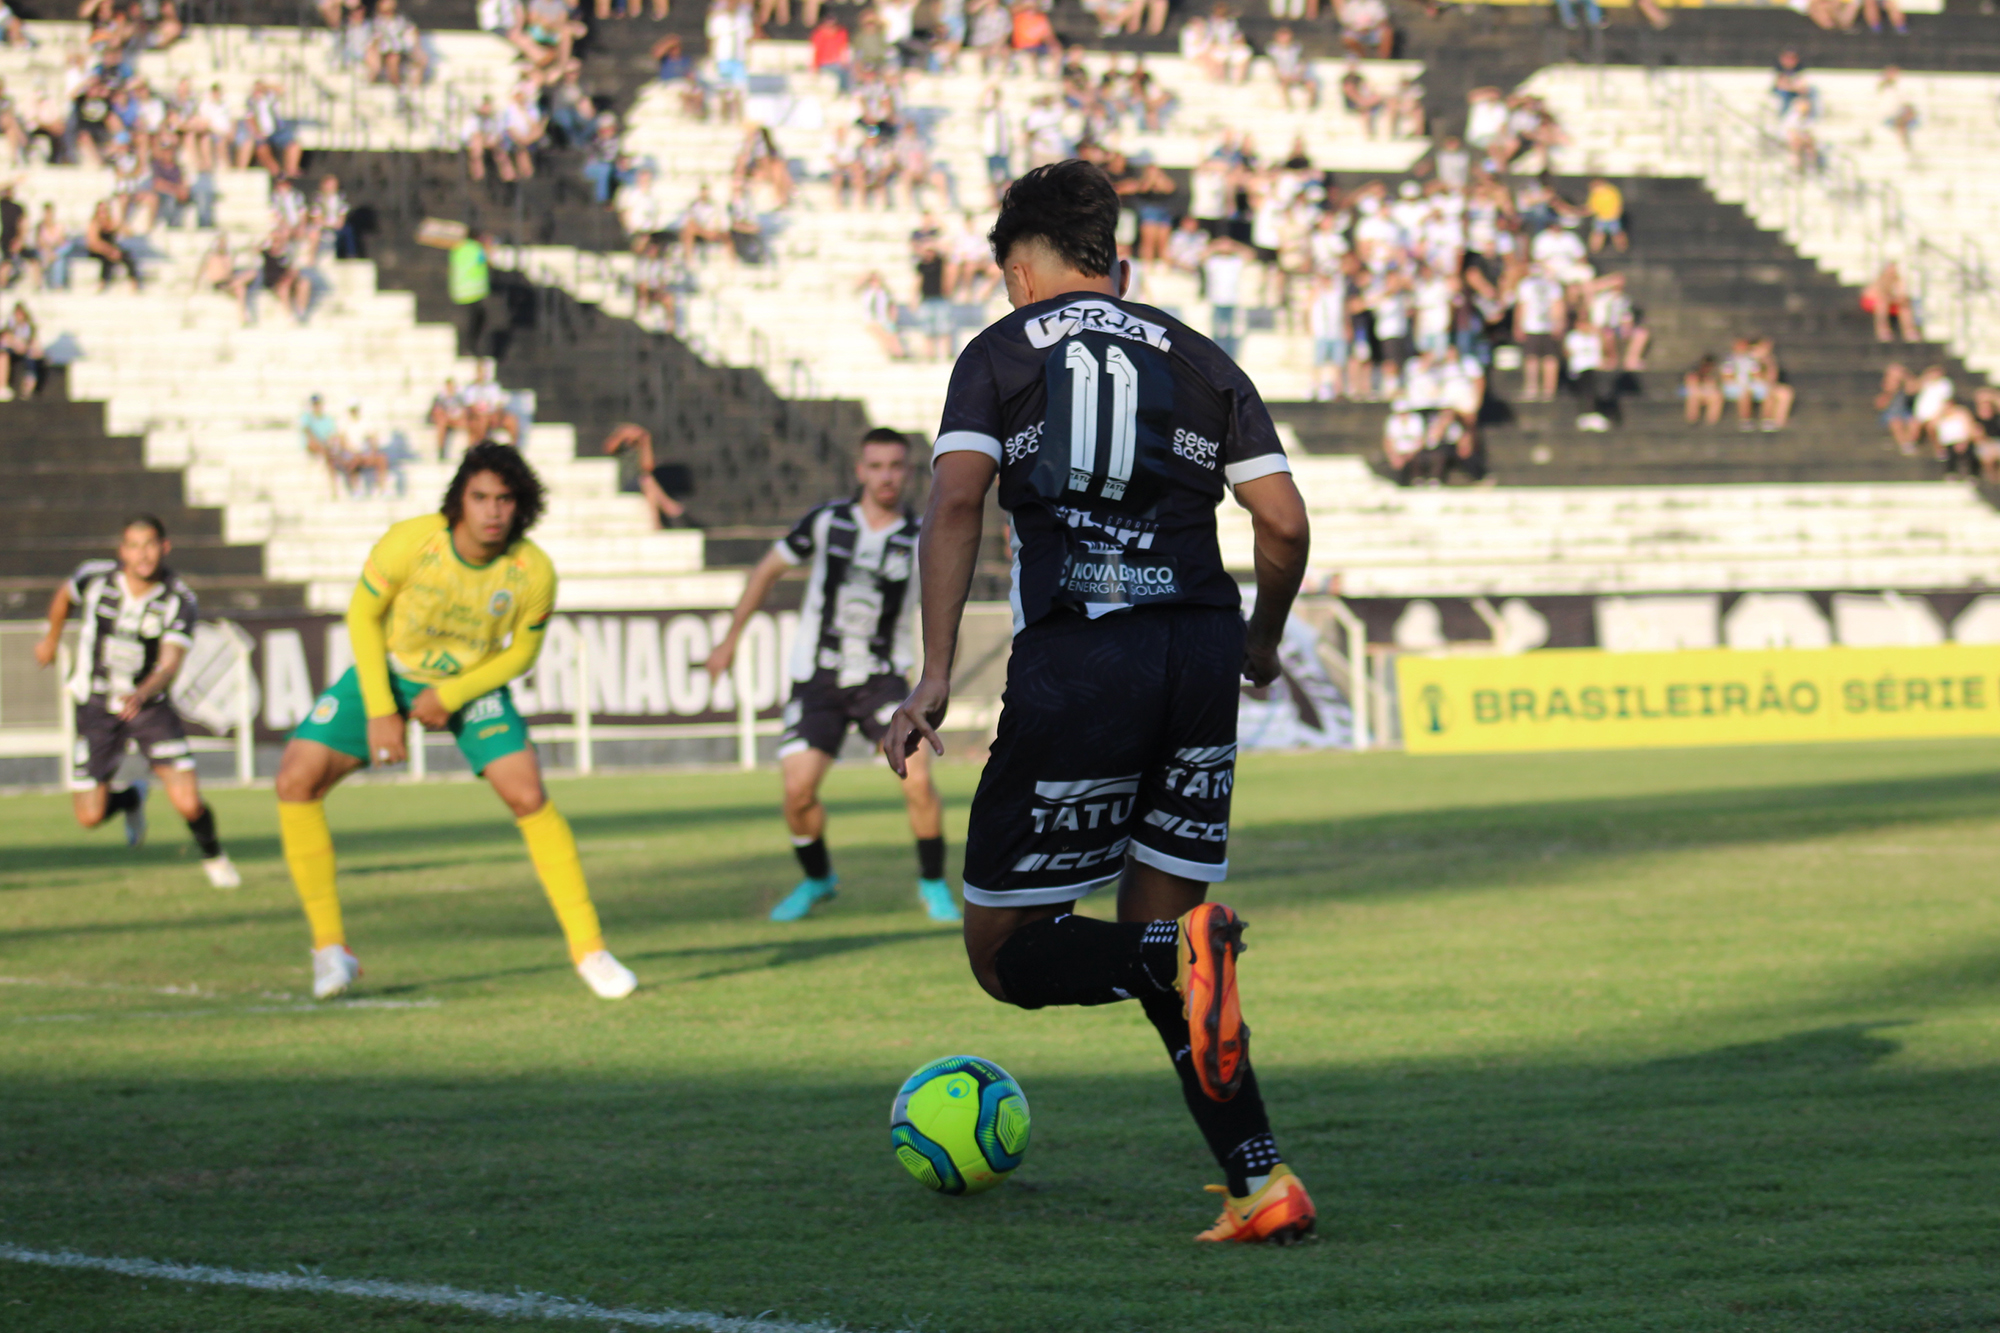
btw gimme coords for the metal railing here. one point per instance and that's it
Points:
(1747, 156)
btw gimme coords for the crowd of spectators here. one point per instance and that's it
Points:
(1925, 412)
(163, 148)
(1750, 380)
(363, 455)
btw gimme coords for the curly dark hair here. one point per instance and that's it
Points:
(505, 462)
(1071, 207)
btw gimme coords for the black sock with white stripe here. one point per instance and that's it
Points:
(1080, 960)
(813, 857)
(202, 826)
(1237, 1131)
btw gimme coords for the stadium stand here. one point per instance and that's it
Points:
(768, 371)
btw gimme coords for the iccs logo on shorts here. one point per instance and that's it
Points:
(500, 602)
(324, 710)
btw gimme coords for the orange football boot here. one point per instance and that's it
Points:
(1218, 1038)
(1280, 1213)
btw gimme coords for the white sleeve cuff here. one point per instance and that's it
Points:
(1250, 469)
(177, 638)
(955, 441)
(786, 553)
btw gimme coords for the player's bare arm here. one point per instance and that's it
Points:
(755, 588)
(156, 682)
(947, 553)
(45, 647)
(1282, 539)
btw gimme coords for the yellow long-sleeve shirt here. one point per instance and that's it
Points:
(421, 611)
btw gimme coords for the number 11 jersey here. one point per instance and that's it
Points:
(1115, 427)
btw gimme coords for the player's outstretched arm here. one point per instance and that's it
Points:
(45, 647)
(766, 573)
(947, 553)
(1282, 538)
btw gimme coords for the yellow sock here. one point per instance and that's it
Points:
(552, 847)
(309, 853)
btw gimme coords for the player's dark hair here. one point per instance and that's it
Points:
(505, 462)
(1070, 207)
(144, 521)
(883, 435)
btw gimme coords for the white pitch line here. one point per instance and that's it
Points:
(524, 1305)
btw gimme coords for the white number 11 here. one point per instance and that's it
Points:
(1124, 375)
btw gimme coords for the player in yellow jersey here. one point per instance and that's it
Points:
(450, 607)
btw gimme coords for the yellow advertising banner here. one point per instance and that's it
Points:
(1587, 699)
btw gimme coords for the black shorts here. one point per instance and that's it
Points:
(1395, 350)
(819, 712)
(1117, 737)
(1540, 344)
(101, 736)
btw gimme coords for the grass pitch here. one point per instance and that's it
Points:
(1661, 1041)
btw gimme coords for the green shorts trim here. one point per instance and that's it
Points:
(488, 728)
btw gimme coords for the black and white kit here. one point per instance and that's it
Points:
(119, 643)
(1116, 430)
(856, 644)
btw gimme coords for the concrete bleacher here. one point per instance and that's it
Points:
(328, 97)
(1933, 210)
(1374, 539)
(802, 309)
(220, 401)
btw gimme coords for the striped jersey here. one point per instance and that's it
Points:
(120, 634)
(859, 617)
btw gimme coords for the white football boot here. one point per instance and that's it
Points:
(221, 872)
(334, 970)
(605, 975)
(135, 818)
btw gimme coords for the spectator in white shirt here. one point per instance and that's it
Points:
(1934, 394)
(730, 31)
(1328, 321)
(484, 133)
(1584, 351)
(1289, 63)
(395, 48)
(1364, 28)
(1540, 318)
(1222, 269)
(522, 130)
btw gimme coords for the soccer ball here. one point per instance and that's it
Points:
(959, 1124)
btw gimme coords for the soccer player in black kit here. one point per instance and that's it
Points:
(137, 624)
(1113, 430)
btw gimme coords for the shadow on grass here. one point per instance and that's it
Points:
(110, 852)
(1354, 856)
(1799, 1183)
(781, 953)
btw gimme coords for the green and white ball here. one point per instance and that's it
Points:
(960, 1124)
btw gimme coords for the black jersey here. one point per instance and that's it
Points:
(1115, 427)
(121, 634)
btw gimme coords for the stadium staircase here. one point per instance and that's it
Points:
(65, 484)
(1704, 274)
(218, 404)
(1933, 209)
(1596, 530)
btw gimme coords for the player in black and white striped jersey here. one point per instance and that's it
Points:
(136, 620)
(851, 662)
